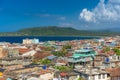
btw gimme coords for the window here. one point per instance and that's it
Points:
(103, 76)
(99, 76)
(118, 57)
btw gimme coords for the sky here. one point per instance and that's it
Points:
(79, 14)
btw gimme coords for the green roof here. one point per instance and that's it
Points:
(83, 53)
(83, 50)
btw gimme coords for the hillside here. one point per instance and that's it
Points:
(56, 31)
(43, 31)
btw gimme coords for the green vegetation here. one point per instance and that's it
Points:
(57, 31)
(117, 51)
(63, 68)
(106, 49)
(60, 53)
(44, 62)
(67, 46)
(80, 78)
(63, 51)
(49, 48)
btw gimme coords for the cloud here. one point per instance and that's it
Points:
(103, 12)
(62, 18)
(87, 15)
(114, 1)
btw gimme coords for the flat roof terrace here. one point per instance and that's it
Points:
(83, 50)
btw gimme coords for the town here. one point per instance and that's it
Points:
(90, 59)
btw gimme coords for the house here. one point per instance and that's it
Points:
(13, 52)
(2, 72)
(55, 79)
(52, 58)
(99, 59)
(61, 61)
(32, 78)
(15, 60)
(111, 61)
(12, 67)
(82, 56)
(41, 55)
(92, 73)
(2, 78)
(24, 70)
(30, 41)
(29, 53)
(46, 74)
(114, 73)
(39, 74)
(23, 50)
(3, 52)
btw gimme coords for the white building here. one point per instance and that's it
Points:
(93, 74)
(30, 41)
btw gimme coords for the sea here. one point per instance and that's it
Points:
(18, 39)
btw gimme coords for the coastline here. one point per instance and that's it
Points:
(18, 39)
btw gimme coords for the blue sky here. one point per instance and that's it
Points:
(80, 14)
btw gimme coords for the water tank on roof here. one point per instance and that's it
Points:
(107, 60)
(44, 67)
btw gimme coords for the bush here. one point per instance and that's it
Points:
(45, 61)
(117, 51)
(63, 68)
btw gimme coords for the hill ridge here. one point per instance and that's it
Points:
(57, 31)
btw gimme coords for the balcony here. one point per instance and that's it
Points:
(75, 60)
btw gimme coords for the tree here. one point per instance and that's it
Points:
(63, 68)
(67, 46)
(49, 48)
(45, 61)
(63, 51)
(60, 53)
(117, 51)
(106, 49)
(57, 53)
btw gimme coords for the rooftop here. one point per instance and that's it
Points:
(91, 71)
(114, 72)
(84, 50)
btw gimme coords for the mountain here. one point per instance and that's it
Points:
(57, 31)
(114, 29)
(52, 30)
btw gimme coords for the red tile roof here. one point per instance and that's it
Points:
(2, 78)
(68, 55)
(23, 50)
(114, 72)
(63, 74)
(45, 71)
(41, 55)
